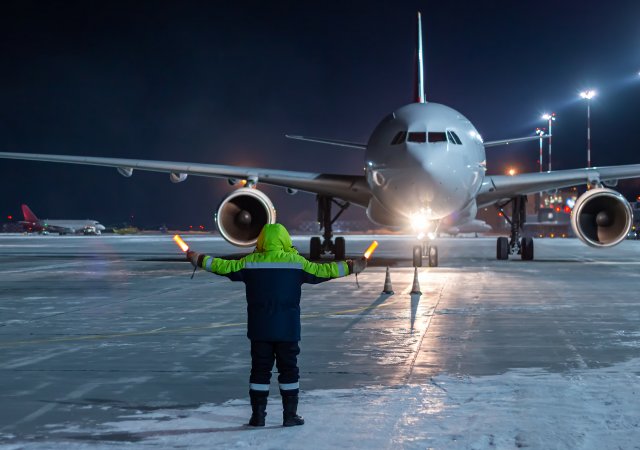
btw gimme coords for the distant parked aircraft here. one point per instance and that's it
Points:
(60, 226)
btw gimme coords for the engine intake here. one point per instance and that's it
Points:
(601, 217)
(242, 214)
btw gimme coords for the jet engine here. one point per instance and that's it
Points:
(601, 217)
(242, 214)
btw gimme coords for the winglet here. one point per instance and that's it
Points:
(418, 87)
(29, 216)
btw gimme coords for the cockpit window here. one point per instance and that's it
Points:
(417, 136)
(455, 137)
(399, 138)
(450, 137)
(437, 136)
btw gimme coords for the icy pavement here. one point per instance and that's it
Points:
(524, 408)
(107, 343)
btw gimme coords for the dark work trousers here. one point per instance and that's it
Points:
(285, 355)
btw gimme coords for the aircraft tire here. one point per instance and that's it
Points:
(433, 256)
(502, 248)
(315, 247)
(526, 248)
(417, 256)
(339, 249)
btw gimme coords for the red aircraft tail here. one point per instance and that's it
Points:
(29, 216)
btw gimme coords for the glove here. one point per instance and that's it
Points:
(357, 265)
(193, 258)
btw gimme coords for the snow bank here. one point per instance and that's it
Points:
(582, 409)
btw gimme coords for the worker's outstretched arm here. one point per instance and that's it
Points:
(230, 268)
(317, 273)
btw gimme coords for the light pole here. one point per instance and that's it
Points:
(550, 118)
(588, 95)
(540, 132)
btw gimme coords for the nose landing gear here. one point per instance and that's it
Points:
(427, 250)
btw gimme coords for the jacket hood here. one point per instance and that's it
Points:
(274, 237)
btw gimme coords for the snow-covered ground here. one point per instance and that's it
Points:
(529, 408)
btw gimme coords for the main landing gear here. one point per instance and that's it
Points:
(427, 250)
(516, 244)
(318, 247)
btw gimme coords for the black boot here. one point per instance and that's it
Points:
(258, 408)
(289, 410)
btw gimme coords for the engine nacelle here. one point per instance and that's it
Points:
(601, 217)
(177, 177)
(242, 214)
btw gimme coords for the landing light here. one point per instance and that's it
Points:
(419, 221)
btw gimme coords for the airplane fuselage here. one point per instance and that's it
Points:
(424, 160)
(71, 226)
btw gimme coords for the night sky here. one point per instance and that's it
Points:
(222, 83)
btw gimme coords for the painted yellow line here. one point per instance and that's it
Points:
(164, 330)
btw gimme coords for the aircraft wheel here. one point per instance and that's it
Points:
(339, 249)
(417, 256)
(433, 256)
(315, 247)
(502, 248)
(526, 248)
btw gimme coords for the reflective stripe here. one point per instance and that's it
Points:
(259, 387)
(273, 265)
(208, 262)
(289, 386)
(341, 269)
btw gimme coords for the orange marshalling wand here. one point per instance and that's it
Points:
(182, 244)
(371, 249)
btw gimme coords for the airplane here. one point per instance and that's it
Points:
(424, 170)
(60, 226)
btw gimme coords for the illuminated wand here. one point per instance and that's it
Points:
(185, 248)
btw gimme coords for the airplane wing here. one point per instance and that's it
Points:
(488, 144)
(352, 188)
(357, 145)
(496, 188)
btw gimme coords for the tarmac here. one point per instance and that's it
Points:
(94, 328)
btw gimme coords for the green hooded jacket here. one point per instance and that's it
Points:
(273, 275)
